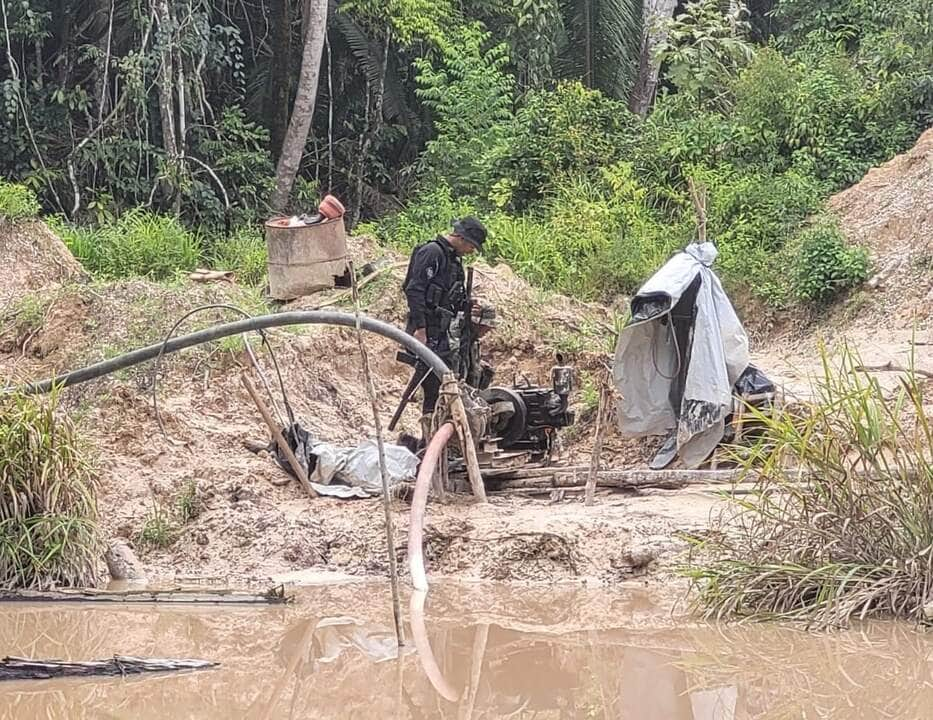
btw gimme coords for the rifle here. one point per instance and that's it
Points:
(417, 380)
(466, 328)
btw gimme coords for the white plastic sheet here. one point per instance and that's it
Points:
(646, 360)
(356, 470)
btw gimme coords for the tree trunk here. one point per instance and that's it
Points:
(656, 12)
(303, 110)
(279, 75)
(373, 124)
(166, 80)
(588, 43)
(63, 17)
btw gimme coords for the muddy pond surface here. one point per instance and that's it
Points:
(478, 651)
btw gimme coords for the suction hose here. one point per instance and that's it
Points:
(215, 332)
(419, 501)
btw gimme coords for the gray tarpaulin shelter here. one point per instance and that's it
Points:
(679, 357)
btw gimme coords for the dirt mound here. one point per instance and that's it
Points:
(32, 258)
(890, 212)
(890, 319)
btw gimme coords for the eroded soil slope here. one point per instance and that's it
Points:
(246, 523)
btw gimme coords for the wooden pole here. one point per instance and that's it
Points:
(891, 367)
(279, 438)
(383, 470)
(601, 423)
(458, 412)
(699, 205)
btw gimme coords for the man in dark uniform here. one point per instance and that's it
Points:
(435, 289)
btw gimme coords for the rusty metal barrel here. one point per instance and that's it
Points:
(304, 259)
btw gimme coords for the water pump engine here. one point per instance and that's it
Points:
(526, 418)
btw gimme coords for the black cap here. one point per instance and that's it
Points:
(471, 230)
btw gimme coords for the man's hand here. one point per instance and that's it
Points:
(421, 335)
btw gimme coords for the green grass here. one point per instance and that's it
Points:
(188, 503)
(159, 529)
(138, 244)
(48, 509)
(244, 252)
(159, 247)
(164, 522)
(855, 541)
(17, 202)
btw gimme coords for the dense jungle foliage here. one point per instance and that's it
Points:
(531, 113)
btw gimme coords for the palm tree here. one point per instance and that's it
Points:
(601, 43)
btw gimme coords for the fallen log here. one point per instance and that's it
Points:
(575, 477)
(273, 596)
(15, 668)
(631, 479)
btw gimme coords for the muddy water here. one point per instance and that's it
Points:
(480, 652)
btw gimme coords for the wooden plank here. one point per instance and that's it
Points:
(534, 472)
(15, 668)
(273, 596)
(450, 388)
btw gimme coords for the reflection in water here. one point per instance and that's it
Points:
(480, 653)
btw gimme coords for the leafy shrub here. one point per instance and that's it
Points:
(244, 252)
(703, 47)
(471, 97)
(819, 111)
(826, 264)
(137, 244)
(765, 107)
(238, 151)
(850, 541)
(48, 509)
(611, 239)
(751, 215)
(568, 131)
(17, 202)
(430, 212)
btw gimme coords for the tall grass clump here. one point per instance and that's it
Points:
(244, 252)
(840, 525)
(138, 244)
(48, 510)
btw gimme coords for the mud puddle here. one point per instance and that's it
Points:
(478, 652)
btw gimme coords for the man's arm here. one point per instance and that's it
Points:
(424, 266)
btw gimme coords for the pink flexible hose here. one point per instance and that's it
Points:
(419, 579)
(429, 664)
